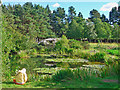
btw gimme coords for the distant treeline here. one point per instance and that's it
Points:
(37, 22)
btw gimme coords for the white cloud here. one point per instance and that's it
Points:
(56, 5)
(108, 6)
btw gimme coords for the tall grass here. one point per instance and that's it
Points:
(110, 70)
(85, 74)
(67, 74)
(63, 74)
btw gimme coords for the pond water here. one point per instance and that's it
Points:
(48, 65)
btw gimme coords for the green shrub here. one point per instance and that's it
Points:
(47, 78)
(40, 49)
(85, 44)
(109, 60)
(116, 48)
(22, 54)
(75, 44)
(80, 54)
(32, 51)
(113, 52)
(62, 45)
(70, 51)
(97, 57)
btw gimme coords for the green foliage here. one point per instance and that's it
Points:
(89, 30)
(75, 44)
(68, 74)
(75, 64)
(76, 29)
(63, 65)
(85, 44)
(97, 57)
(33, 77)
(109, 60)
(84, 74)
(80, 54)
(63, 75)
(94, 14)
(70, 51)
(22, 54)
(116, 31)
(110, 70)
(23, 25)
(113, 52)
(62, 45)
(12, 43)
(100, 29)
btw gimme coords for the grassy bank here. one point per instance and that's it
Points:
(111, 82)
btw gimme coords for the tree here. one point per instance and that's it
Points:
(99, 28)
(108, 29)
(114, 15)
(89, 31)
(80, 15)
(116, 31)
(94, 14)
(48, 9)
(58, 21)
(75, 31)
(60, 12)
(118, 8)
(71, 13)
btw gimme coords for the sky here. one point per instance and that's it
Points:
(85, 7)
(60, 0)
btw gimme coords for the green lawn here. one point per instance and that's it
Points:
(93, 83)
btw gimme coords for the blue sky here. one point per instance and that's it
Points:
(60, 0)
(80, 6)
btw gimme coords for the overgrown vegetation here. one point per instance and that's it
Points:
(24, 26)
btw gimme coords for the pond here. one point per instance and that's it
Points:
(48, 65)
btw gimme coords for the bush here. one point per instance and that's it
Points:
(70, 51)
(113, 52)
(62, 45)
(32, 51)
(97, 57)
(23, 54)
(85, 44)
(80, 54)
(109, 60)
(75, 44)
